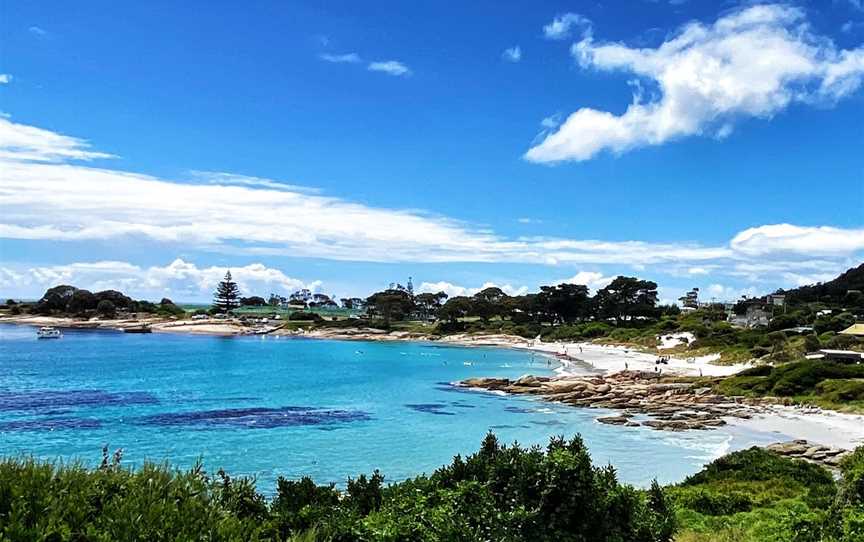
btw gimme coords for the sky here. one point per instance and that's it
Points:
(342, 146)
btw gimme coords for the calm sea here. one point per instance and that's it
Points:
(273, 407)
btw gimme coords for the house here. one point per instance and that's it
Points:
(754, 317)
(855, 329)
(844, 356)
(690, 300)
(776, 299)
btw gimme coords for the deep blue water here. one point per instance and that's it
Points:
(269, 407)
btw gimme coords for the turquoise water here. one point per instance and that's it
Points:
(290, 407)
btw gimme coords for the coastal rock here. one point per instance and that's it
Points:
(614, 420)
(670, 406)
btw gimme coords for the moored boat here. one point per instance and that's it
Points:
(143, 328)
(48, 332)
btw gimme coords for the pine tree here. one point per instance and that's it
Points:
(227, 295)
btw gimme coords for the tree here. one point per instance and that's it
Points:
(81, 302)
(227, 295)
(625, 298)
(106, 309)
(566, 302)
(353, 303)
(55, 299)
(488, 303)
(428, 303)
(253, 301)
(390, 304)
(455, 308)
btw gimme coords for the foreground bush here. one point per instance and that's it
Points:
(755, 495)
(501, 493)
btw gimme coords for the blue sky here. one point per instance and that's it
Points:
(347, 146)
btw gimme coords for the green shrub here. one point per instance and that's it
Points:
(499, 493)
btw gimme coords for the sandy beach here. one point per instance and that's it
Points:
(835, 429)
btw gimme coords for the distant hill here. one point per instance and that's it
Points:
(834, 291)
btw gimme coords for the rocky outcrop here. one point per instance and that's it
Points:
(661, 405)
(810, 451)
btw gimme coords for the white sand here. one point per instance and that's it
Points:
(674, 340)
(826, 427)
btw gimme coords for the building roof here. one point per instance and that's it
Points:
(854, 329)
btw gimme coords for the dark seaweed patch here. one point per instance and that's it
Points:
(431, 408)
(252, 418)
(518, 410)
(50, 424)
(53, 399)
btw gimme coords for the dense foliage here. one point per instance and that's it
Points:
(755, 495)
(501, 493)
(830, 384)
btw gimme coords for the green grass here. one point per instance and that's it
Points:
(754, 495)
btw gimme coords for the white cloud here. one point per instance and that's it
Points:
(698, 271)
(346, 58)
(390, 67)
(47, 197)
(780, 238)
(22, 142)
(179, 280)
(752, 62)
(561, 26)
(529, 220)
(551, 122)
(592, 279)
(5, 78)
(37, 31)
(453, 290)
(512, 54)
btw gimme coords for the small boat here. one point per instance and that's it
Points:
(48, 332)
(143, 328)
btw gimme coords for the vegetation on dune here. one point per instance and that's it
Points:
(505, 493)
(501, 493)
(823, 383)
(755, 495)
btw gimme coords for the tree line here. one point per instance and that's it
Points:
(624, 299)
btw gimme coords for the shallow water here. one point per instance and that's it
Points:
(273, 407)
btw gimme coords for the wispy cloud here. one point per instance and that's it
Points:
(5, 78)
(390, 67)
(37, 31)
(512, 54)
(562, 26)
(21, 142)
(47, 196)
(345, 58)
(753, 62)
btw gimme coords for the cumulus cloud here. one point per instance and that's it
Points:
(592, 279)
(346, 58)
(753, 62)
(453, 290)
(179, 280)
(390, 67)
(512, 54)
(5, 78)
(562, 26)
